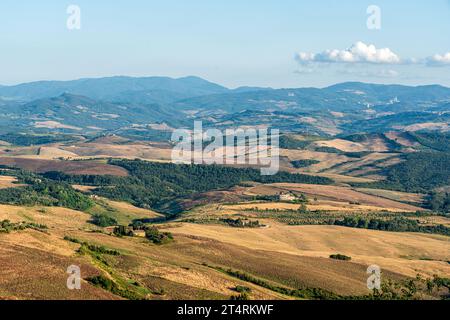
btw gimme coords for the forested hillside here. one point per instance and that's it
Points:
(151, 183)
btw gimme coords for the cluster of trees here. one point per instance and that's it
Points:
(157, 237)
(269, 198)
(241, 223)
(288, 142)
(243, 289)
(45, 192)
(19, 139)
(6, 226)
(103, 221)
(111, 286)
(298, 164)
(439, 141)
(394, 225)
(412, 289)
(439, 201)
(340, 257)
(151, 233)
(123, 231)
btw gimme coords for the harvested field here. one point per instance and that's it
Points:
(394, 195)
(43, 275)
(402, 139)
(54, 125)
(8, 182)
(83, 188)
(403, 253)
(131, 211)
(296, 271)
(368, 162)
(69, 167)
(320, 205)
(333, 193)
(127, 151)
(327, 160)
(53, 217)
(443, 126)
(54, 153)
(375, 145)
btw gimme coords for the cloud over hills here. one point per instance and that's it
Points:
(357, 53)
(439, 60)
(368, 56)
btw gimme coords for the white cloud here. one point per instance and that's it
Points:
(439, 60)
(357, 53)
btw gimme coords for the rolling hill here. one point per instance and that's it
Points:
(136, 106)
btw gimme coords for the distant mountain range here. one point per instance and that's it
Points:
(126, 103)
(113, 87)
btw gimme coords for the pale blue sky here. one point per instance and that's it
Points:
(231, 42)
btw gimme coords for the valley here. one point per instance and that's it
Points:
(97, 189)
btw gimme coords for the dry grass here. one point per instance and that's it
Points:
(211, 281)
(374, 144)
(435, 220)
(8, 182)
(53, 217)
(131, 211)
(290, 256)
(394, 195)
(428, 125)
(398, 252)
(127, 151)
(54, 125)
(401, 138)
(327, 160)
(356, 164)
(286, 269)
(34, 273)
(54, 153)
(83, 188)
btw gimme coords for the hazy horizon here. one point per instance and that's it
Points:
(282, 45)
(218, 83)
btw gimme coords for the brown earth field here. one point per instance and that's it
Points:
(69, 167)
(319, 205)
(287, 256)
(33, 263)
(333, 193)
(146, 151)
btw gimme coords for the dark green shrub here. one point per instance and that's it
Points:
(340, 257)
(103, 221)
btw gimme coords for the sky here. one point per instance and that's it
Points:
(270, 43)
